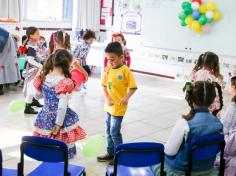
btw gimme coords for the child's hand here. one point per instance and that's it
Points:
(124, 101)
(75, 62)
(56, 129)
(109, 101)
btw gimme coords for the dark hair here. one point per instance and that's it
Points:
(114, 47)
(211, 62)
(61, 38)
(23, 39)
(30, 31)
(89, 34)
(233, 83)
(61, 58)
(201, 93)
(199, 63)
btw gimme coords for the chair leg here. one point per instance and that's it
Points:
(84, 174)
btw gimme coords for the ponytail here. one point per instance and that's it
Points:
(218, 87)
(189, 98)
(47, 67)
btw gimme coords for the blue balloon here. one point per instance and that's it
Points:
(196, 14)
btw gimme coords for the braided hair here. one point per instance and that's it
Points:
(201, 93)
(233, 83)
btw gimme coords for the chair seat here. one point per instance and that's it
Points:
(9, 172)
(130, 171)
(56, 169)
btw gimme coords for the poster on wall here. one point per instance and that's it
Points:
(131, 23)
(127, 17)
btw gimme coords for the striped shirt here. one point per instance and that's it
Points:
(81, 52)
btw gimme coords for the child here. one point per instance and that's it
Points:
(198, 122)
(118, 37)
(230, 133)
(61, 40)
(119, 85)
(210, 71)
(33, 66)
(56, 120)
(9, 72)
(81, 51)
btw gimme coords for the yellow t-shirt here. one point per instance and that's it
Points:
(118, 81)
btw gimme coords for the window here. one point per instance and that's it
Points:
(48, 10)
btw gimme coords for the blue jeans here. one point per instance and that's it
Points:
(114, 136)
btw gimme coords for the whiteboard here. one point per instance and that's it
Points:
(161, 28)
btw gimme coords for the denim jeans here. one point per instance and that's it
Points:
(114, 137)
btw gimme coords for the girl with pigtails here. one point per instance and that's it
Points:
(197, 123)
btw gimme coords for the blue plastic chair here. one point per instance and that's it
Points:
(54, 155)
(6, 172)
(207, 148)
(135, 159)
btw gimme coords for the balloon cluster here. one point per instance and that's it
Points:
(199, 15)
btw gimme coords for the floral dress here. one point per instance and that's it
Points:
(70, 131)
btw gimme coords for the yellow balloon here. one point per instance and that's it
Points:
(196, 26)
(189, 20)
(217, 15)
(203, 8)
(211, 6)
(199, 30)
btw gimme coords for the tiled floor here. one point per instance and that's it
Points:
(150, 117)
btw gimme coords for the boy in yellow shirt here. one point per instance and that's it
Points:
(118, 85)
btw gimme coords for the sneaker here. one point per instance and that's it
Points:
(105, 157)
(36, 103)
(29, 109)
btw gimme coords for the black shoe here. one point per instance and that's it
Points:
(1, 92)
(29, 109)
(36, 103)
(105, 157)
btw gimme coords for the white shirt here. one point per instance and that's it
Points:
(178, 134)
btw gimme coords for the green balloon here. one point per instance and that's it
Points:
(93, 146)
(188, 10)
(203, 19)
(182, 15)
(183, 23)
(186, 5)
(17, 105)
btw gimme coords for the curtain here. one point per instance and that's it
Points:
(67, 9)
(86, 14)
(9, 9)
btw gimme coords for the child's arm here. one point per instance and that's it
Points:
(107, 97)
(125, 100)
(76, 64)
(176, 138)
(61, 112)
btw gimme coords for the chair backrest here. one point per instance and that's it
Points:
(43, 149)
(141, 154)
(206, 147)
